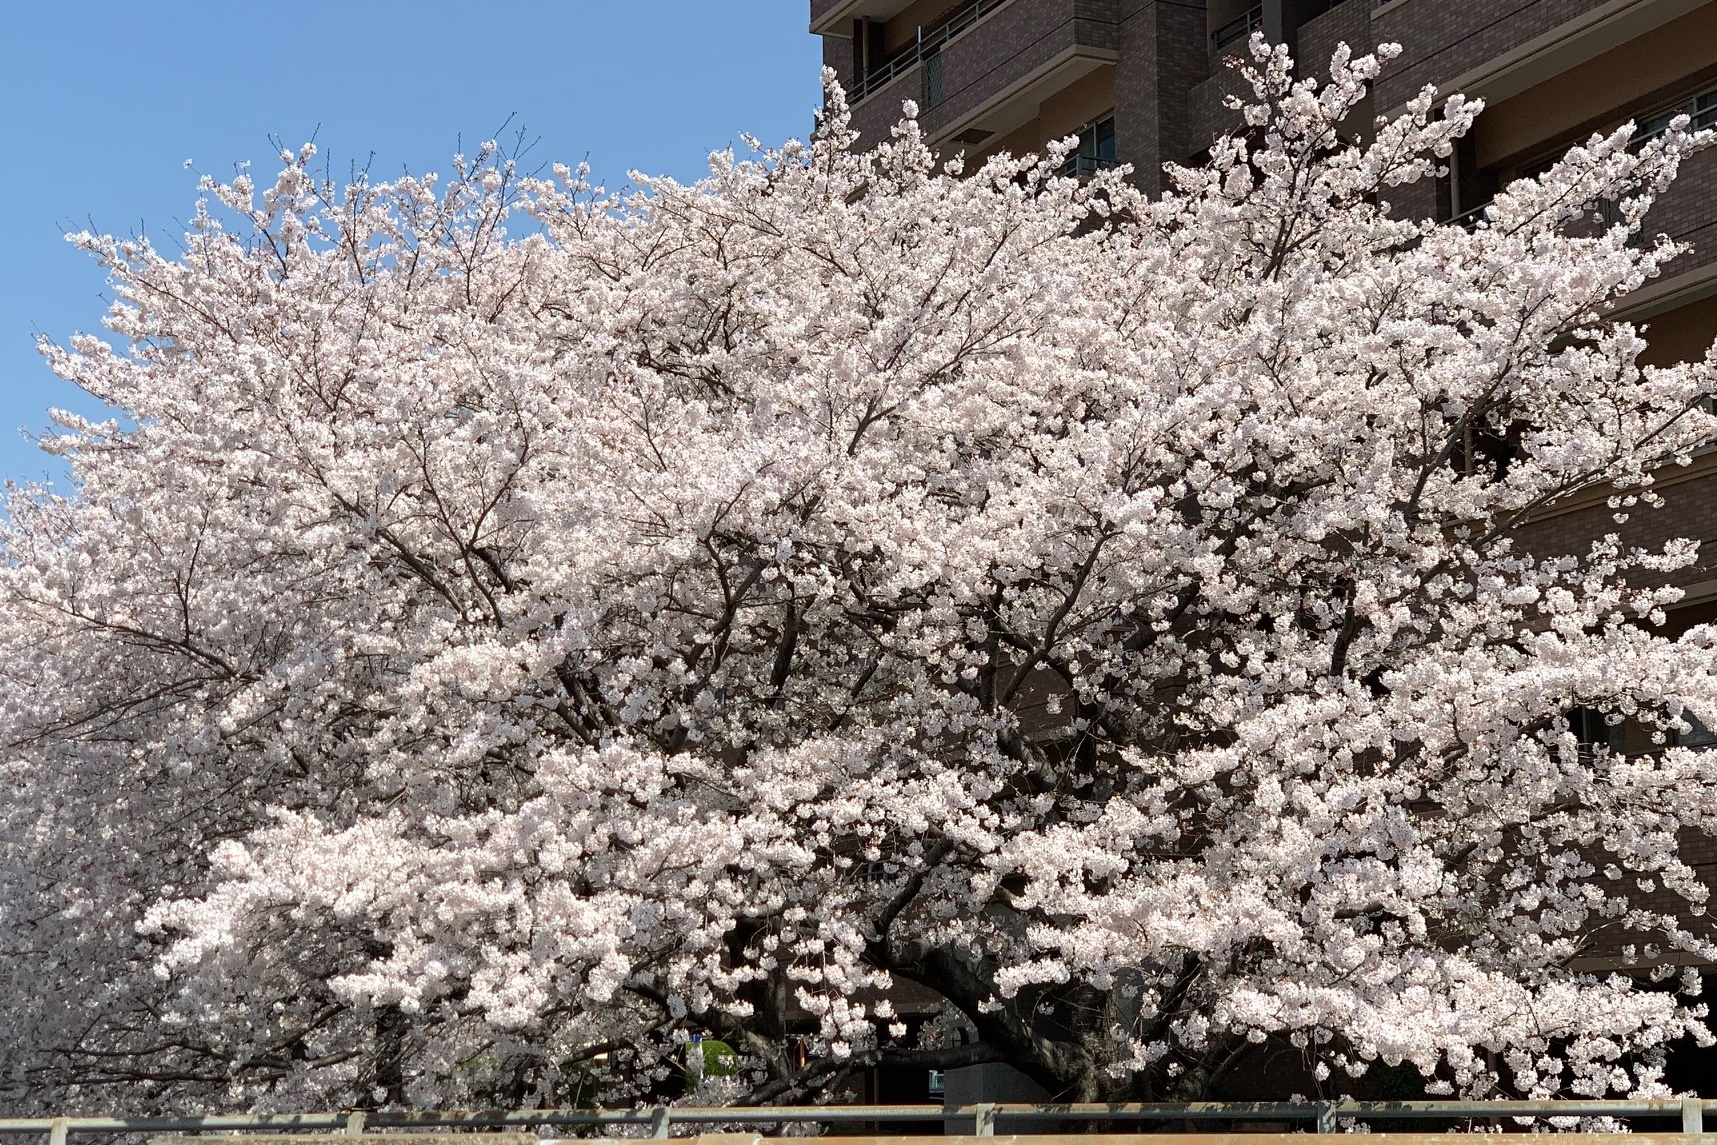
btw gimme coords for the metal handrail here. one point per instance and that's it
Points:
(1085, 166)
(1324, 1115)
(1469, 216)
(1252, 20)
(930, 41)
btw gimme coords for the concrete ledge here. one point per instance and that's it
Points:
(340, 1137)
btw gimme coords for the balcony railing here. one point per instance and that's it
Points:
(1701, 109)
(1085, 166)
(928, 44)
(1469, 217)
(661, 1121)
(1239, 28)
(1608, 213)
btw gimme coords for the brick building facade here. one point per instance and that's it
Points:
(1142, 82)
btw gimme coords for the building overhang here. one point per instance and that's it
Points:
(1689, 286)
(836, 18)
(1017, 104)
(1565, 47)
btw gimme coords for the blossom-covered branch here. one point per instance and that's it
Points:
(475, 662)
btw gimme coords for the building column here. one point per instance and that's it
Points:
(1164, 52)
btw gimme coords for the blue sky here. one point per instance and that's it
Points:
(104, 102)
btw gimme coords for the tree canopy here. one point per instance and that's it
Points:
(471, 662)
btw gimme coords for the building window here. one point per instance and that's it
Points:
(1701, 109)
(1696, 735)
(933, 80)
(1592, 731)
(1096, 150)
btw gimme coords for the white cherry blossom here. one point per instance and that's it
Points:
(509, 628)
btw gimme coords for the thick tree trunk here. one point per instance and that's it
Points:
(387, 1081)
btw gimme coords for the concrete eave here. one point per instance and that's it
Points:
(1698, 283)
(1564, 47)
(837, 21)
(1017, 104)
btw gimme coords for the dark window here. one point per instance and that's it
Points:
(1096, 150)
(1701, 109)
(1592, 730)
(1696, 735)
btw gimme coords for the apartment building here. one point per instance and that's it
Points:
(1143, 82)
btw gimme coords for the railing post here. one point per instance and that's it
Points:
(57, 1131)
(984, 1124)
(659, 1121)
(1692, 1115)
(1325, 1117)
(355, 1121)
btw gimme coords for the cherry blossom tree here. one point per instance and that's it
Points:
(472, 662)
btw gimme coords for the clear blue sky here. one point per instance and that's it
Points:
(104, 102)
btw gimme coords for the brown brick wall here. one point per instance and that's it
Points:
(1207, 117)
(1163, 57)
(838, 54)
(1690, 510)
(1688, 212)
(1699, 852)
(1348, 22)
(874, 115)
(1441, 40)
(1007, 46)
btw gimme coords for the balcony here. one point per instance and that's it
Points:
(996, 74)
(1238, 30)
(1499, 50)
(927, 46)
(835, 16)
(982, 71)
(1687, 213)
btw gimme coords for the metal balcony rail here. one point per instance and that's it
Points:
(1239, 28)
(1701, 109)
(1468, 217)
(930, 41)
(1608, 213)
(1320, 1116)
(1085, 166)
